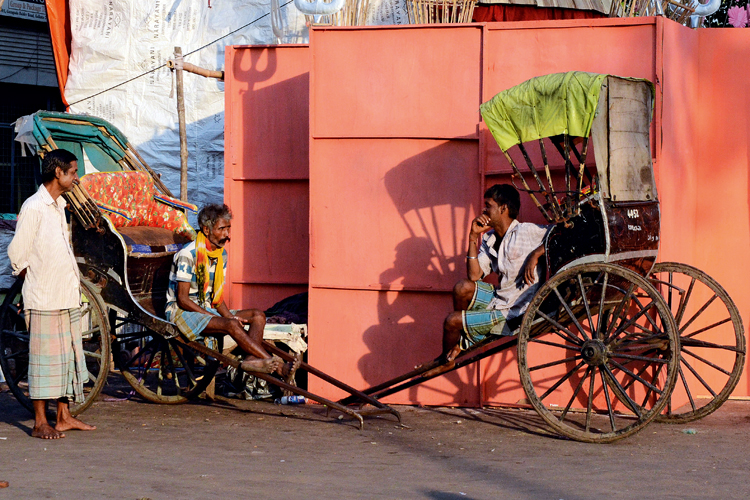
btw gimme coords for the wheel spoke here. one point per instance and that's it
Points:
(590, 403)
(684, 302)
(17, 354)
(561, 381)
(706, 328)
(575, 393)
(709, 345)
(91, 332)
(191, 377)
(627, 401)
(705, 361)
(698, 313)
(570, 313)
(537, 340)
(636, 377)
(694, 372)
(618, 312)
(687, 389)
(609, 402)
(561, 331)
(92, 354)
(585, 301)
(640, 358)
(555, 363)
(601, 304)
(18, 335)
(632, 321)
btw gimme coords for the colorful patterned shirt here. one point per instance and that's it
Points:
(183, 269)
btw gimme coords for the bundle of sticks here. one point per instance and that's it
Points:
(440, 11)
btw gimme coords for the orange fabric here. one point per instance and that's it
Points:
(501, 13)
(133, 193)
(58, 17)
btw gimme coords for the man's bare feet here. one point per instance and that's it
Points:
(45, 431)
(288, 369)
(71, 423)
(261, 365)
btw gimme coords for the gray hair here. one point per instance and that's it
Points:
(211, 213)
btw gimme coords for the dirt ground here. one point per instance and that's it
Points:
(247, 449)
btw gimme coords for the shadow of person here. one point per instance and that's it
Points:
(409, 311)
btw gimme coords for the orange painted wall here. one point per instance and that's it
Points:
(266, 172)
(398, 160)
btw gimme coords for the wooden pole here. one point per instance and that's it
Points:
(181, 118)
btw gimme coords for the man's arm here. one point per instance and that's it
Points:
(479, 226)
(529, 272)
(183, 299)
(21, 245)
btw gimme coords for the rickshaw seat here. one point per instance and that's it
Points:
(130, 199)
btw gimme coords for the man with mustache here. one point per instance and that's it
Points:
(196, 288)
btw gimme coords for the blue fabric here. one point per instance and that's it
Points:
(478, 320)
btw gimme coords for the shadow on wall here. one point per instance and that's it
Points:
(436, 194)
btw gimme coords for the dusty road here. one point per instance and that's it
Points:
(239, 449)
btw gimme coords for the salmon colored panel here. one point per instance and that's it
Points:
(260, 296)
(391, 213)
(396, 82)
(705, 161)
(266, 117)
(365, 338)
(270, 237)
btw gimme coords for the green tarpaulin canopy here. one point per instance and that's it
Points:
(545, 106)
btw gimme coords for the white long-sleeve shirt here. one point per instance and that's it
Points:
(42, 246)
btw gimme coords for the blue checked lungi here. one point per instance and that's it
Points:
(191, 324)
(57, 364)
(478, 320)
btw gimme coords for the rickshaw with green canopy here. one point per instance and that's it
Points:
(125, 229)
(612, 340)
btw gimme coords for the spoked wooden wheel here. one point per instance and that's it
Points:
(712, 341)
(159, 369)
(598, 352)
(14, 345)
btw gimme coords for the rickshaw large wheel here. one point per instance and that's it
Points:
(14, 345)
(712, 340)
(161, 370)
(598, 352)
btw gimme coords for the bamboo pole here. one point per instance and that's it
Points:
(181, 117)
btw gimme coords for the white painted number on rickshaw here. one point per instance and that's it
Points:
(633, 213)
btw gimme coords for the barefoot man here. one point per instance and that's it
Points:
(41, 252)
(195, 300)
(498, 244)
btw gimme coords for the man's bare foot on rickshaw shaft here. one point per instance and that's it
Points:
(261, 365)
(46, 431)
(70, 423)
(446, 362)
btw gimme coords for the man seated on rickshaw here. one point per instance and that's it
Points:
(195, 295)
(498, 244)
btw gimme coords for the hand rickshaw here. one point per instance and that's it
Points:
(611, 340)
(125, 229)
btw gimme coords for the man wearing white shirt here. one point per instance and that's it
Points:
(41, 252)
(498, 244)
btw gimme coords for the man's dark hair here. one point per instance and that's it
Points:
(212, 212)
(56, 158)
(505, 194)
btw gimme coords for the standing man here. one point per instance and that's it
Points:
(41, 252)
(195, 297)
(498, 244)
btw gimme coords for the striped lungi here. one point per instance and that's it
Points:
(191, 324)
(57, 364)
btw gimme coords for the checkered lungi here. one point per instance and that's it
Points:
(191, 324)
(478, 320)
(57, 364)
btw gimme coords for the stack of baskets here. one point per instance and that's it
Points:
(354, 13)
(440, 11)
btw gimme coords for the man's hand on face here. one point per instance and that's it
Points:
(480, 225)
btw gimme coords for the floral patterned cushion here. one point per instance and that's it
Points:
(133, 193)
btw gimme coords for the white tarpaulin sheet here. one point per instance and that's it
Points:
(116, 42)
